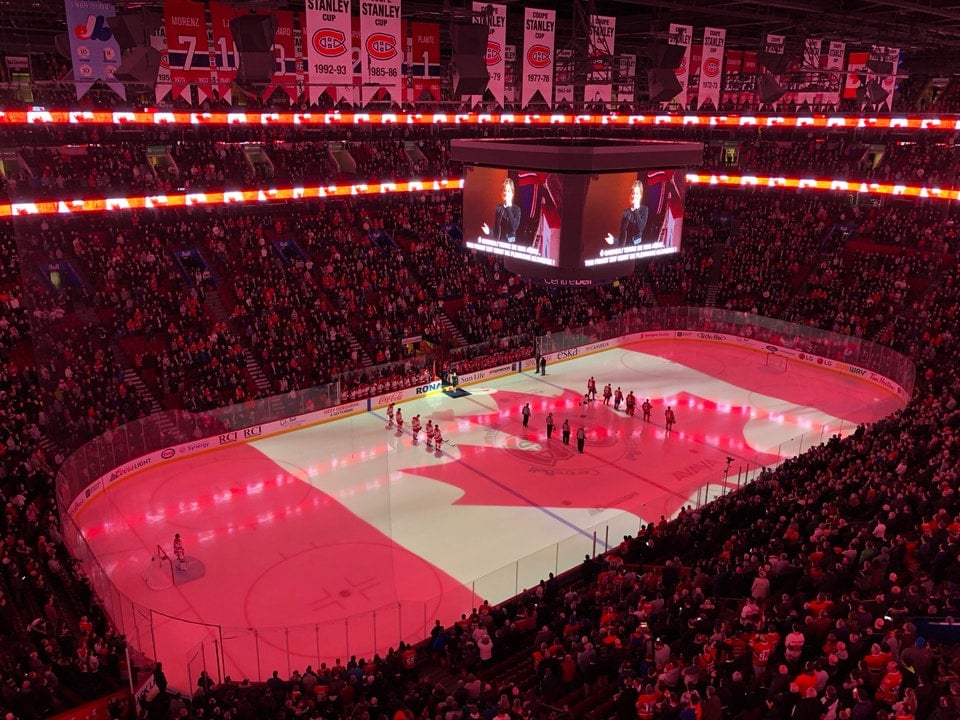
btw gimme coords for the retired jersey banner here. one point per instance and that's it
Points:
(426, 61)
(603, 37)
(627, 79)
(748, 79)
(158, 41)
(732, 63)
(188, 48)
(539, 31)
(328, 48)
(300, 41)
(226, 59)
(381, 47)
(510, 70)
(93, 48)
(714, 40)
(285, 52)
(496, 20)
(682, 35)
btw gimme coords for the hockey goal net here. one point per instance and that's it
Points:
(775, 362)
(160, 567)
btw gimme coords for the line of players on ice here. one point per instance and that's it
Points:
(434, 437)
(629, 402)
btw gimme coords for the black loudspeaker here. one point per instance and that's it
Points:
(662, 85)
(880, 67)
(134, 29)
(256, 68)
(666, 57)
(470, 74)
(139, 65)
(871, 93)
(776, 64)
(253, 33)
(769, 90)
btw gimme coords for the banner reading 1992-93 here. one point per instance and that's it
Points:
(328, 47)
(539, 32)
(381, 47)
(93, 48)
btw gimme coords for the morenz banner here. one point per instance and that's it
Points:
(328, 48)
(188, 48)
(93, 48)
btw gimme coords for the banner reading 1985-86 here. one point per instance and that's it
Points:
(539, 31)
(381, 46)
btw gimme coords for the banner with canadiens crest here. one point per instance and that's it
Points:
(328, 48)
(381, 47)
(711, 68)
(682, 35)
(539, 33)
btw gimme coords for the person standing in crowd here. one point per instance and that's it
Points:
(607, 394)
(581, 438)
(647, 408)
(617, 399)
(669, 418)
(566, 431)
(526, 414)
(549, 425)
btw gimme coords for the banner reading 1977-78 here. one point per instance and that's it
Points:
(539, 32)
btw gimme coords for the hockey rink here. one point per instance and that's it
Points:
(343, 538)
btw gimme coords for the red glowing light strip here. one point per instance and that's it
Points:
(869, 188)
(223, 197)
(240, 197)
(40, 116)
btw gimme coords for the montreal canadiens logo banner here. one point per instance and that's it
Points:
(539, 31)
(682, 35)
(328, 48)
(494, 17)
(93, 48)
(711, 67)
(381, 47)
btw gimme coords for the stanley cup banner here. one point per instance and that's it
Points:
(563, 77)
(188, 48)
(775, 44)
(603, 34)
(328, 48)
(495, 18)
(712, 67)
(682, 35)
(626, 79)
(835, 78)
(810, 83)
(539, 30)
(381, 47)
(158, 41)
(93, 48)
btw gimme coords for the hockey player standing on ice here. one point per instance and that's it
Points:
(631, 404)
(526, 414)
(669, 418)
(179, 552)
(592, 388)
(389, 416)
(549, 425)
(399, 422)
(415, 427)
(566, 432)
(646, 407)
(607, 394)
(437, 439)
(429, 432)
(617, 399)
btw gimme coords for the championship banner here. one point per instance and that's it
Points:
(186, 28)
(748, 79)
(426, 62)
(603, 37)
(226, 58)
(285, 51)
(835, 65)
(731, 78)
(328, 48)
(510, 70)
(93, 48)
(627, 79)
(696, 63)
(810, 85)
(563, 77)
(682, 35)
(495, 18)
(539, 31)
(855, 68)
(775, 44)
(300, 41)
(381, 44)
(158, 41)
(888, 81)
(713, 43)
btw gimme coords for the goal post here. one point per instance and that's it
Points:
(160, 557)
(775, 362)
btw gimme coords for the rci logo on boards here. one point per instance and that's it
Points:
(245, 434)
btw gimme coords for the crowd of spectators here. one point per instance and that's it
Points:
(732, 601)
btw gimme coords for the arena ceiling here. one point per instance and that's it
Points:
(929, 30)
